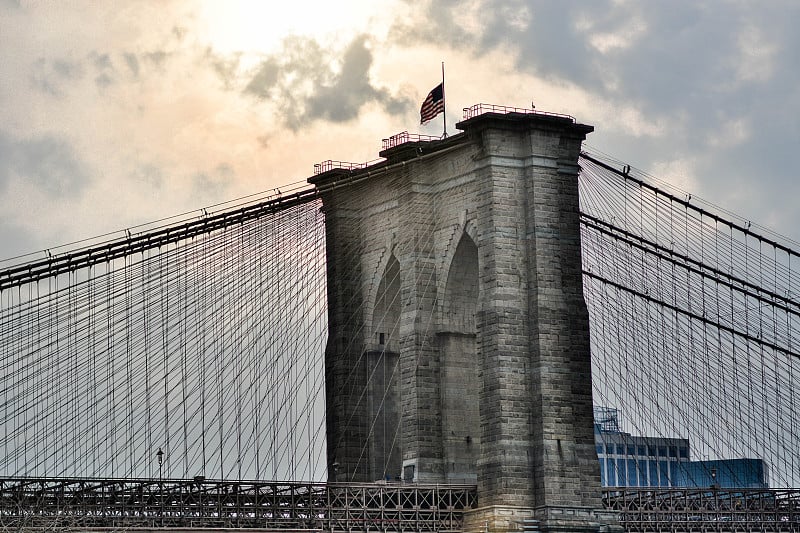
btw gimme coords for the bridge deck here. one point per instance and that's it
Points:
(200, 503)
(296, 506)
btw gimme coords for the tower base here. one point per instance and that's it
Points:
(505, 519)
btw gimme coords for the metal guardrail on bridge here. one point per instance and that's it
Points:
(385, 507)
(201, 503)
(705, 510)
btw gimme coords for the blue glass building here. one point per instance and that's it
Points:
(635, 461)
(724, 474)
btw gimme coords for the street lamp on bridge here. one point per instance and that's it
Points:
(160, 457)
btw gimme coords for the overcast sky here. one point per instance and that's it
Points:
(114, 114)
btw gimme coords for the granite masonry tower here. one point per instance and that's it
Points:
(458, 347)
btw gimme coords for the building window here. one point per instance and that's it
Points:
(632, 473)
(653, 473)
(603, 477)
(621, 478)
(664, 478)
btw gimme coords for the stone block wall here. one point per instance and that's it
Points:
(505, 319)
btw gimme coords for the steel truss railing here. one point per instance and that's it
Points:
(201, 503)
(700, 510)
(87, 503)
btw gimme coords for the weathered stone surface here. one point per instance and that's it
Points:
(484, 227)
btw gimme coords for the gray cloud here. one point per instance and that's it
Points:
(137, 64)
(341, 99)
(179, 32)
(265, 79)
(156, 58)
(47, 162)
(209, 187)
(677, 58)
(51, 76)
(104, 69)
(225, 67)
(133, 63)
(436, 23)
(305, 86)
(149, 175)
(688, 56)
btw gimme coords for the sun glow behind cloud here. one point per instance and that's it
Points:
(253, 27)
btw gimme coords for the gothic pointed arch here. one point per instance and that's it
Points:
(460, 371)
(460, 299)
(386, 311)
(383, 375)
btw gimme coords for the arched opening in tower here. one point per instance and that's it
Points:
(460, 380)
(383, 377)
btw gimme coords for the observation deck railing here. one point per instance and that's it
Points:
(404, 137)
(325, 166)
(480, 109)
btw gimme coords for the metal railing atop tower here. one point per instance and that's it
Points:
(403, 137)
(480, 109)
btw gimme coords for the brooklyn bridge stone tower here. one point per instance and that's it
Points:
(459, 337)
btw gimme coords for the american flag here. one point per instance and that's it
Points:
(433, 104)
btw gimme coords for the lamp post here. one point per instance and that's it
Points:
(160, 457)
(714, 488)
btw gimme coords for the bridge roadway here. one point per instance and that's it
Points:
(212, 504)
(200, 504)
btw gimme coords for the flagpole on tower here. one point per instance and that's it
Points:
(444, 105)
